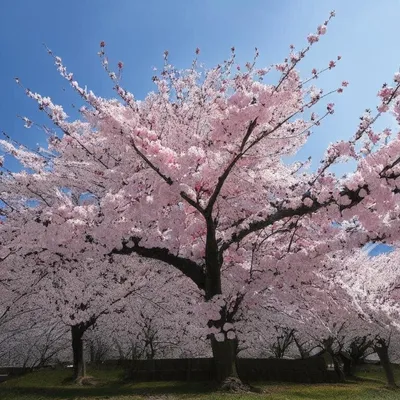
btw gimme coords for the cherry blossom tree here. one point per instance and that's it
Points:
(163, 327)
(372, 284)
(75, 292)
(193, 176)
(17, 310)
(37, 341)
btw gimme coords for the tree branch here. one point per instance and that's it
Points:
(188, 267)
(224, 176)
(167, 179)
(281, 214)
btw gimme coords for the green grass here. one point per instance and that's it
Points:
(54, 385)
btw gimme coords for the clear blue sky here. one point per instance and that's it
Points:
(365, 33)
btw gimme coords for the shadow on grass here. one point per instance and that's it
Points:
(115, 389)
(361, 379)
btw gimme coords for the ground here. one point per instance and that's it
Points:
(54, 385)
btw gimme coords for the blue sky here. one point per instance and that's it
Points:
(364, 33)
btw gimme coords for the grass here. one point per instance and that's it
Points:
(54, 385)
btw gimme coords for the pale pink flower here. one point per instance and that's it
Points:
(231, 335)
(322, 30)
(383, 108)
(312, 38)
(308, 202)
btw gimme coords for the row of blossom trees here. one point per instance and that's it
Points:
(320, 315)
(194, 176)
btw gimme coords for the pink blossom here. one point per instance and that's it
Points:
(308, 202)
(321, 29)
(383, 108)
(362, 193)
(227, 326)
(219, 337)
(231, 335)
(281, 67)
(312, 38)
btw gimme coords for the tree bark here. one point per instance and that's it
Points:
(338, 366)
(348, 367)
(79, 368)
(224, 354)
(383, 353)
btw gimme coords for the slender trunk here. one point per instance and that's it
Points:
(224, 354)
(77, 332)
(383, 353)
(92, 353)
(303, 353)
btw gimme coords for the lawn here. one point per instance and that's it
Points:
(54, 385)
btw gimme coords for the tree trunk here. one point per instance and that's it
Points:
(383, 353)
(92, 353)
(224, 354)
(77, 332)
(347, 365)
(338, 366)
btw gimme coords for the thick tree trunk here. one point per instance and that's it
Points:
(77, 332)
(348, 368)
(224, 354)
(383, 353)
(338, 366)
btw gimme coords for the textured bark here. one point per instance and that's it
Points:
(224, 354)
(382, 349)
(77, 332)
(348, 366)
(338, 366)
